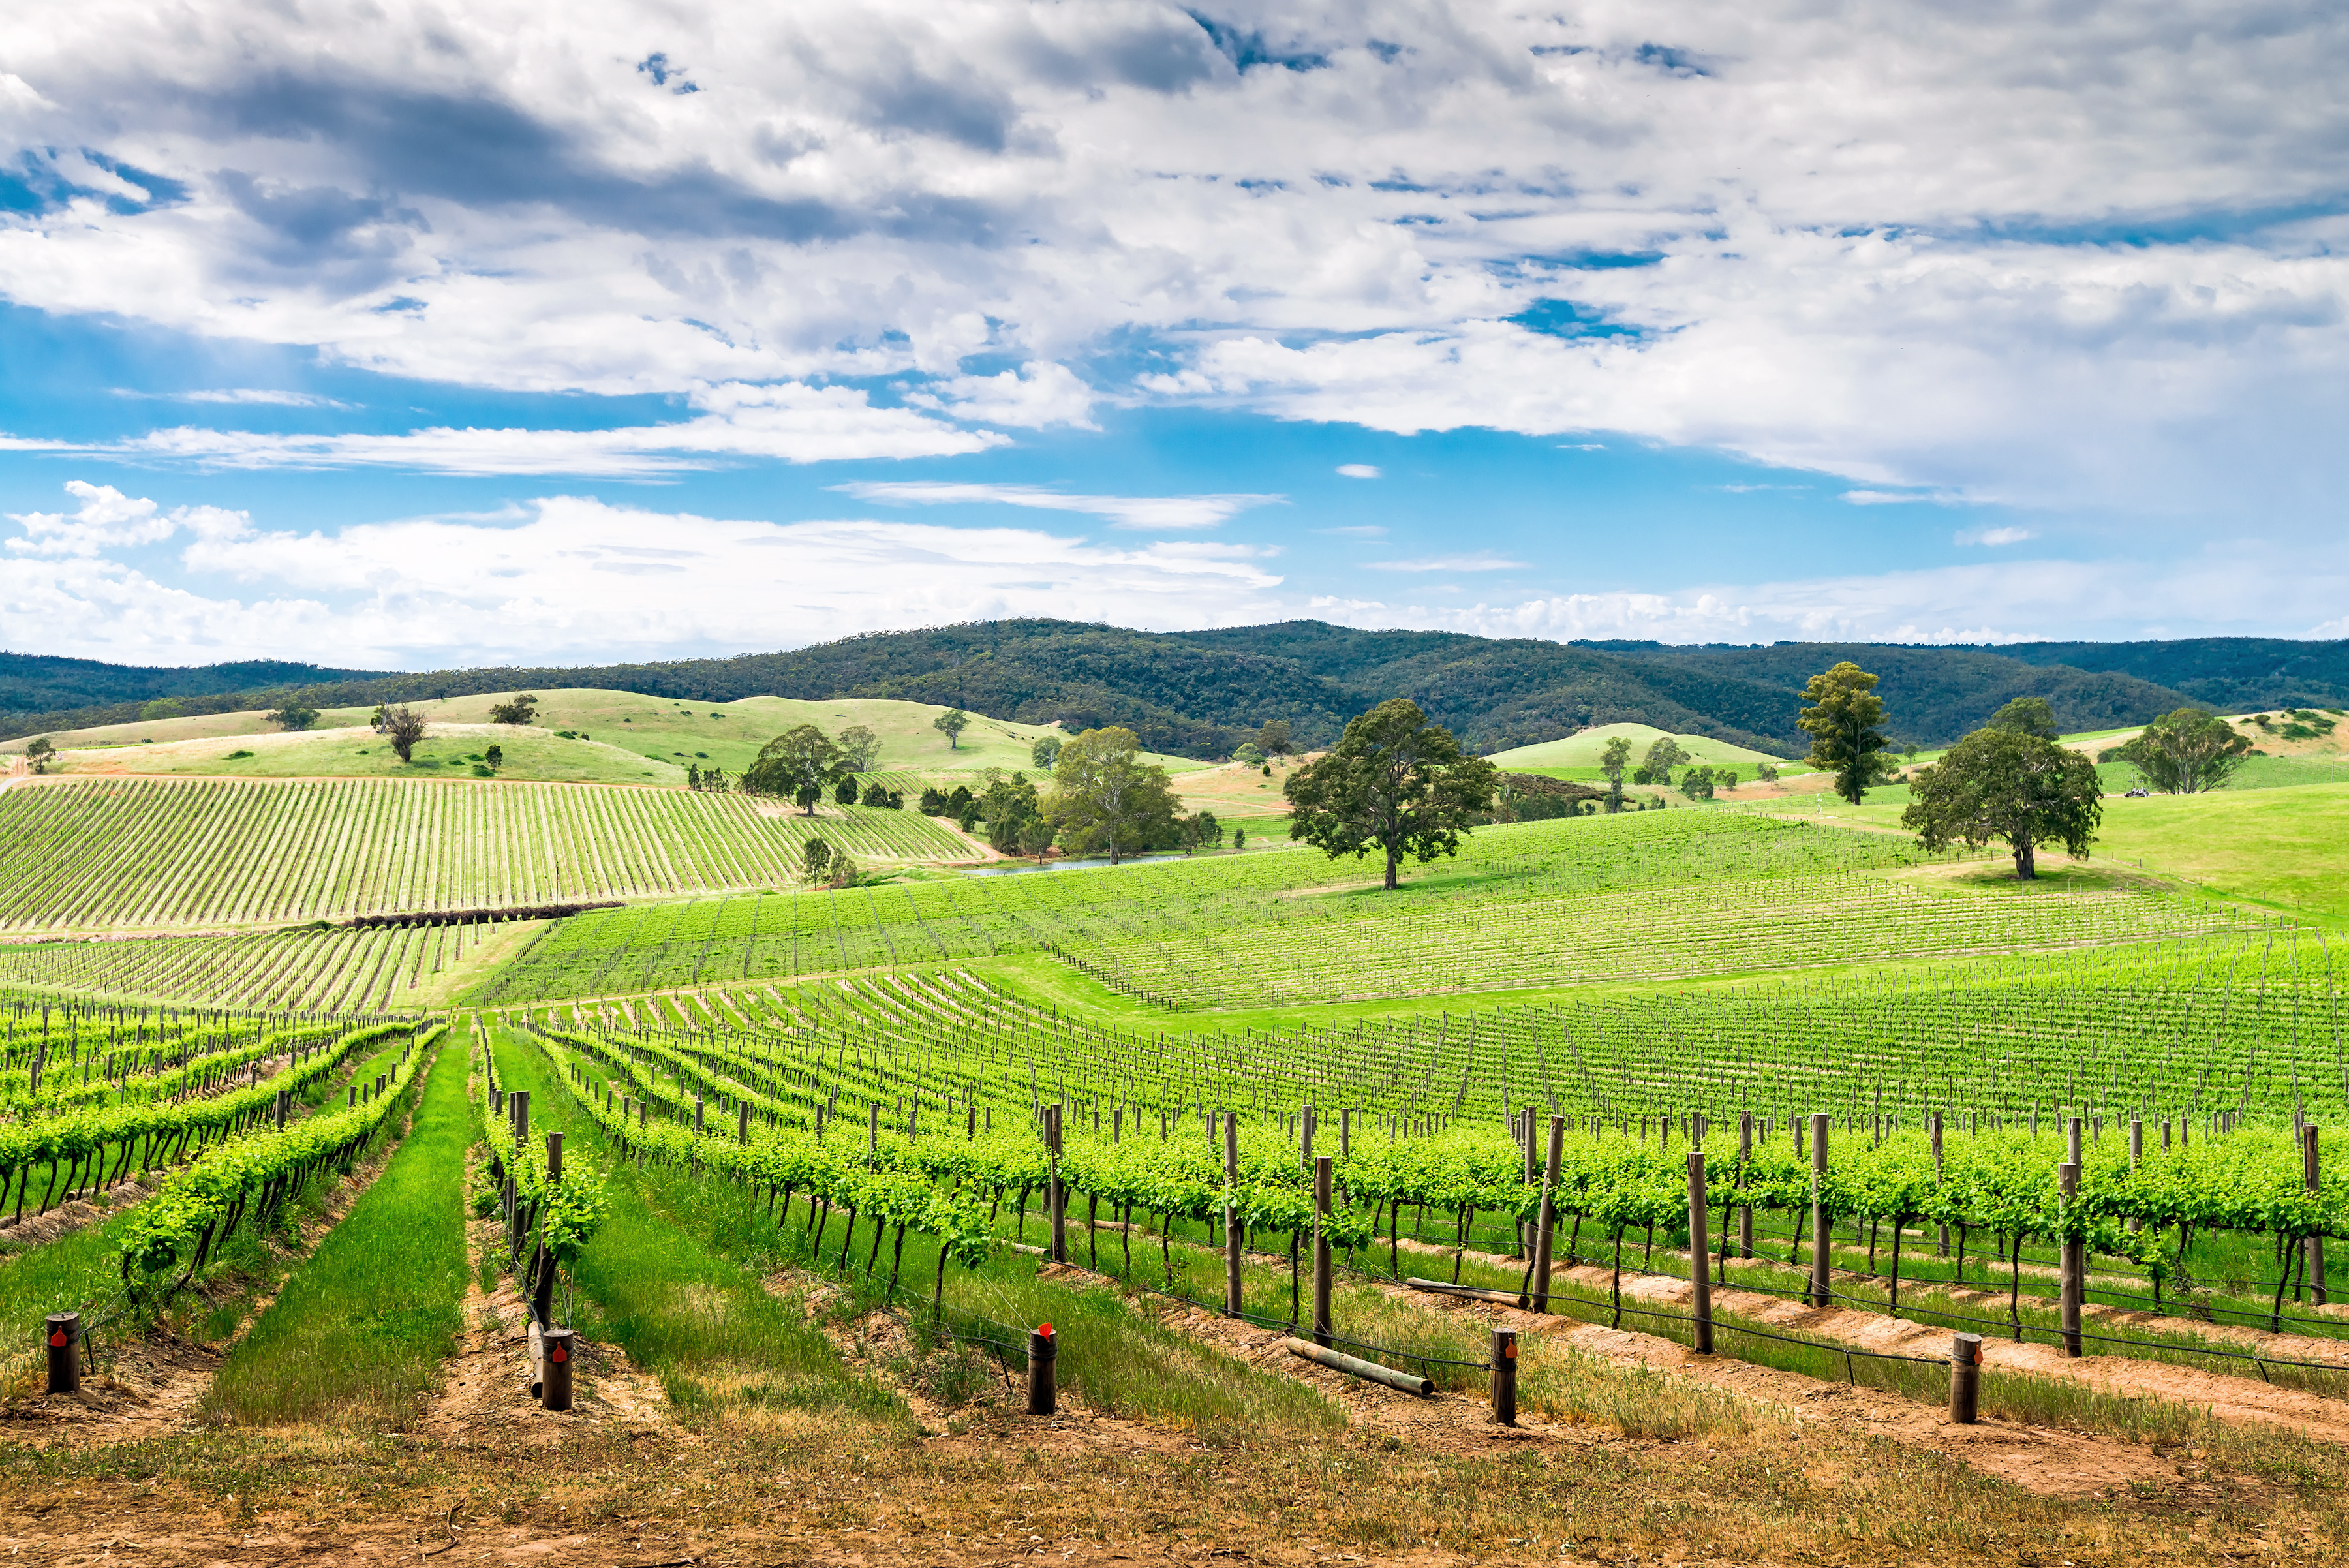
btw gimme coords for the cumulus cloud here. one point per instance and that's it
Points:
(1900, 250)
(568, 578)
(1136, 512)
(108, 520)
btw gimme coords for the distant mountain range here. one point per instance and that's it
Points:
(1199, 693)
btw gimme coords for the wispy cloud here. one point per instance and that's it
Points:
(789, 423)
(1360, 470)
(1136, 512)
(269, 397)
(2008, 535)
(1902, 498)
(1354, 531)
(1479, 561)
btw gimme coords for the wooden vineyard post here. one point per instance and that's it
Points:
(1345, 1133)
(1533, 1173)
(519, 1100)
(1231, 1214)
(1744, 1211)
(743, 1123)
(1043, 1349)
(2315, 1244)
(1504, 1377)
(554, 1388)
(1323, 1329)
(1054, 1195)
(1700, 1278)
(2074, 1256)
(65, 1352)
(1941, 1247)
(1820, 1252)
(1965, 1378)
(1546, 1226)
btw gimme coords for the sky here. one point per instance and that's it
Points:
(395, 335)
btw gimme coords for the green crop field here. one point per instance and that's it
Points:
(92, 854)
(804, 1168)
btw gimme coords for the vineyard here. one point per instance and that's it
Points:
(152, 853)
(1771, 1110)
(1645, 896)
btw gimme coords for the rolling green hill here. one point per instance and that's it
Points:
(1199, 693)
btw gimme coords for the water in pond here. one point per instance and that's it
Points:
(1013, 867)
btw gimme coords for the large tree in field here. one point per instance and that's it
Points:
(1395, 782)
(951, 724)
(798, 764)
(405, 726)
(2009, 784)
(1842, 723)
(2187, 751)
(1612, 762)
(858, 746)
(1105, 798)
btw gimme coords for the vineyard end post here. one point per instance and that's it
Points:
(1700, 1277)
(1821, 1253)
(1324, 1331)
(1504, 1377)
(2075, 1255)
(2315, 1244)
(1548, 1224)
(553, 1157)
(1043, 1350)
(1965, 1378)
(64, 1334)
(1745, 1211)
(1231, 1214)
(555, 1387)
(1942, 1245)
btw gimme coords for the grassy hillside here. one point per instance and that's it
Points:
(1200, 693)
(1579, 754)
(617, 737)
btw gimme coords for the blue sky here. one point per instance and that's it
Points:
(374, 338)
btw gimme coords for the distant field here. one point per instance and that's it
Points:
(93, 853)
(623, 726)
(1582, 750)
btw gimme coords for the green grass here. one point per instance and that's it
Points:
(630, 732)
(701, 1322)
(1581, 749)
(362, 1328)
(1118, 1360)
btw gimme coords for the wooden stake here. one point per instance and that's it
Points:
(1504, 1377)
(1965, 1378)
(1232, 1215)
(1820, 1252)
(1043, 1350)
(1547, 1225)
(1700, 1277)
(1323, 1331)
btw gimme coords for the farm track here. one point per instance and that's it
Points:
(483, 1395)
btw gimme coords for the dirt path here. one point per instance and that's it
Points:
(2241, 1400)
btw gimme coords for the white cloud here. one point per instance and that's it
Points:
(1898, 498)
(1135, 512)
(1033, 396)
(1476, 561)
(1896, 248)
(789, 423)
(1359, 470)
(2005, 535)
(577, 579)
(1354, 531)
(266, 396)
(109, 520)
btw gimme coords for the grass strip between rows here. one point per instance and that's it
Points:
(362, 1328)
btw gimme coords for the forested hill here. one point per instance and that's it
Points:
(1199, 693)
